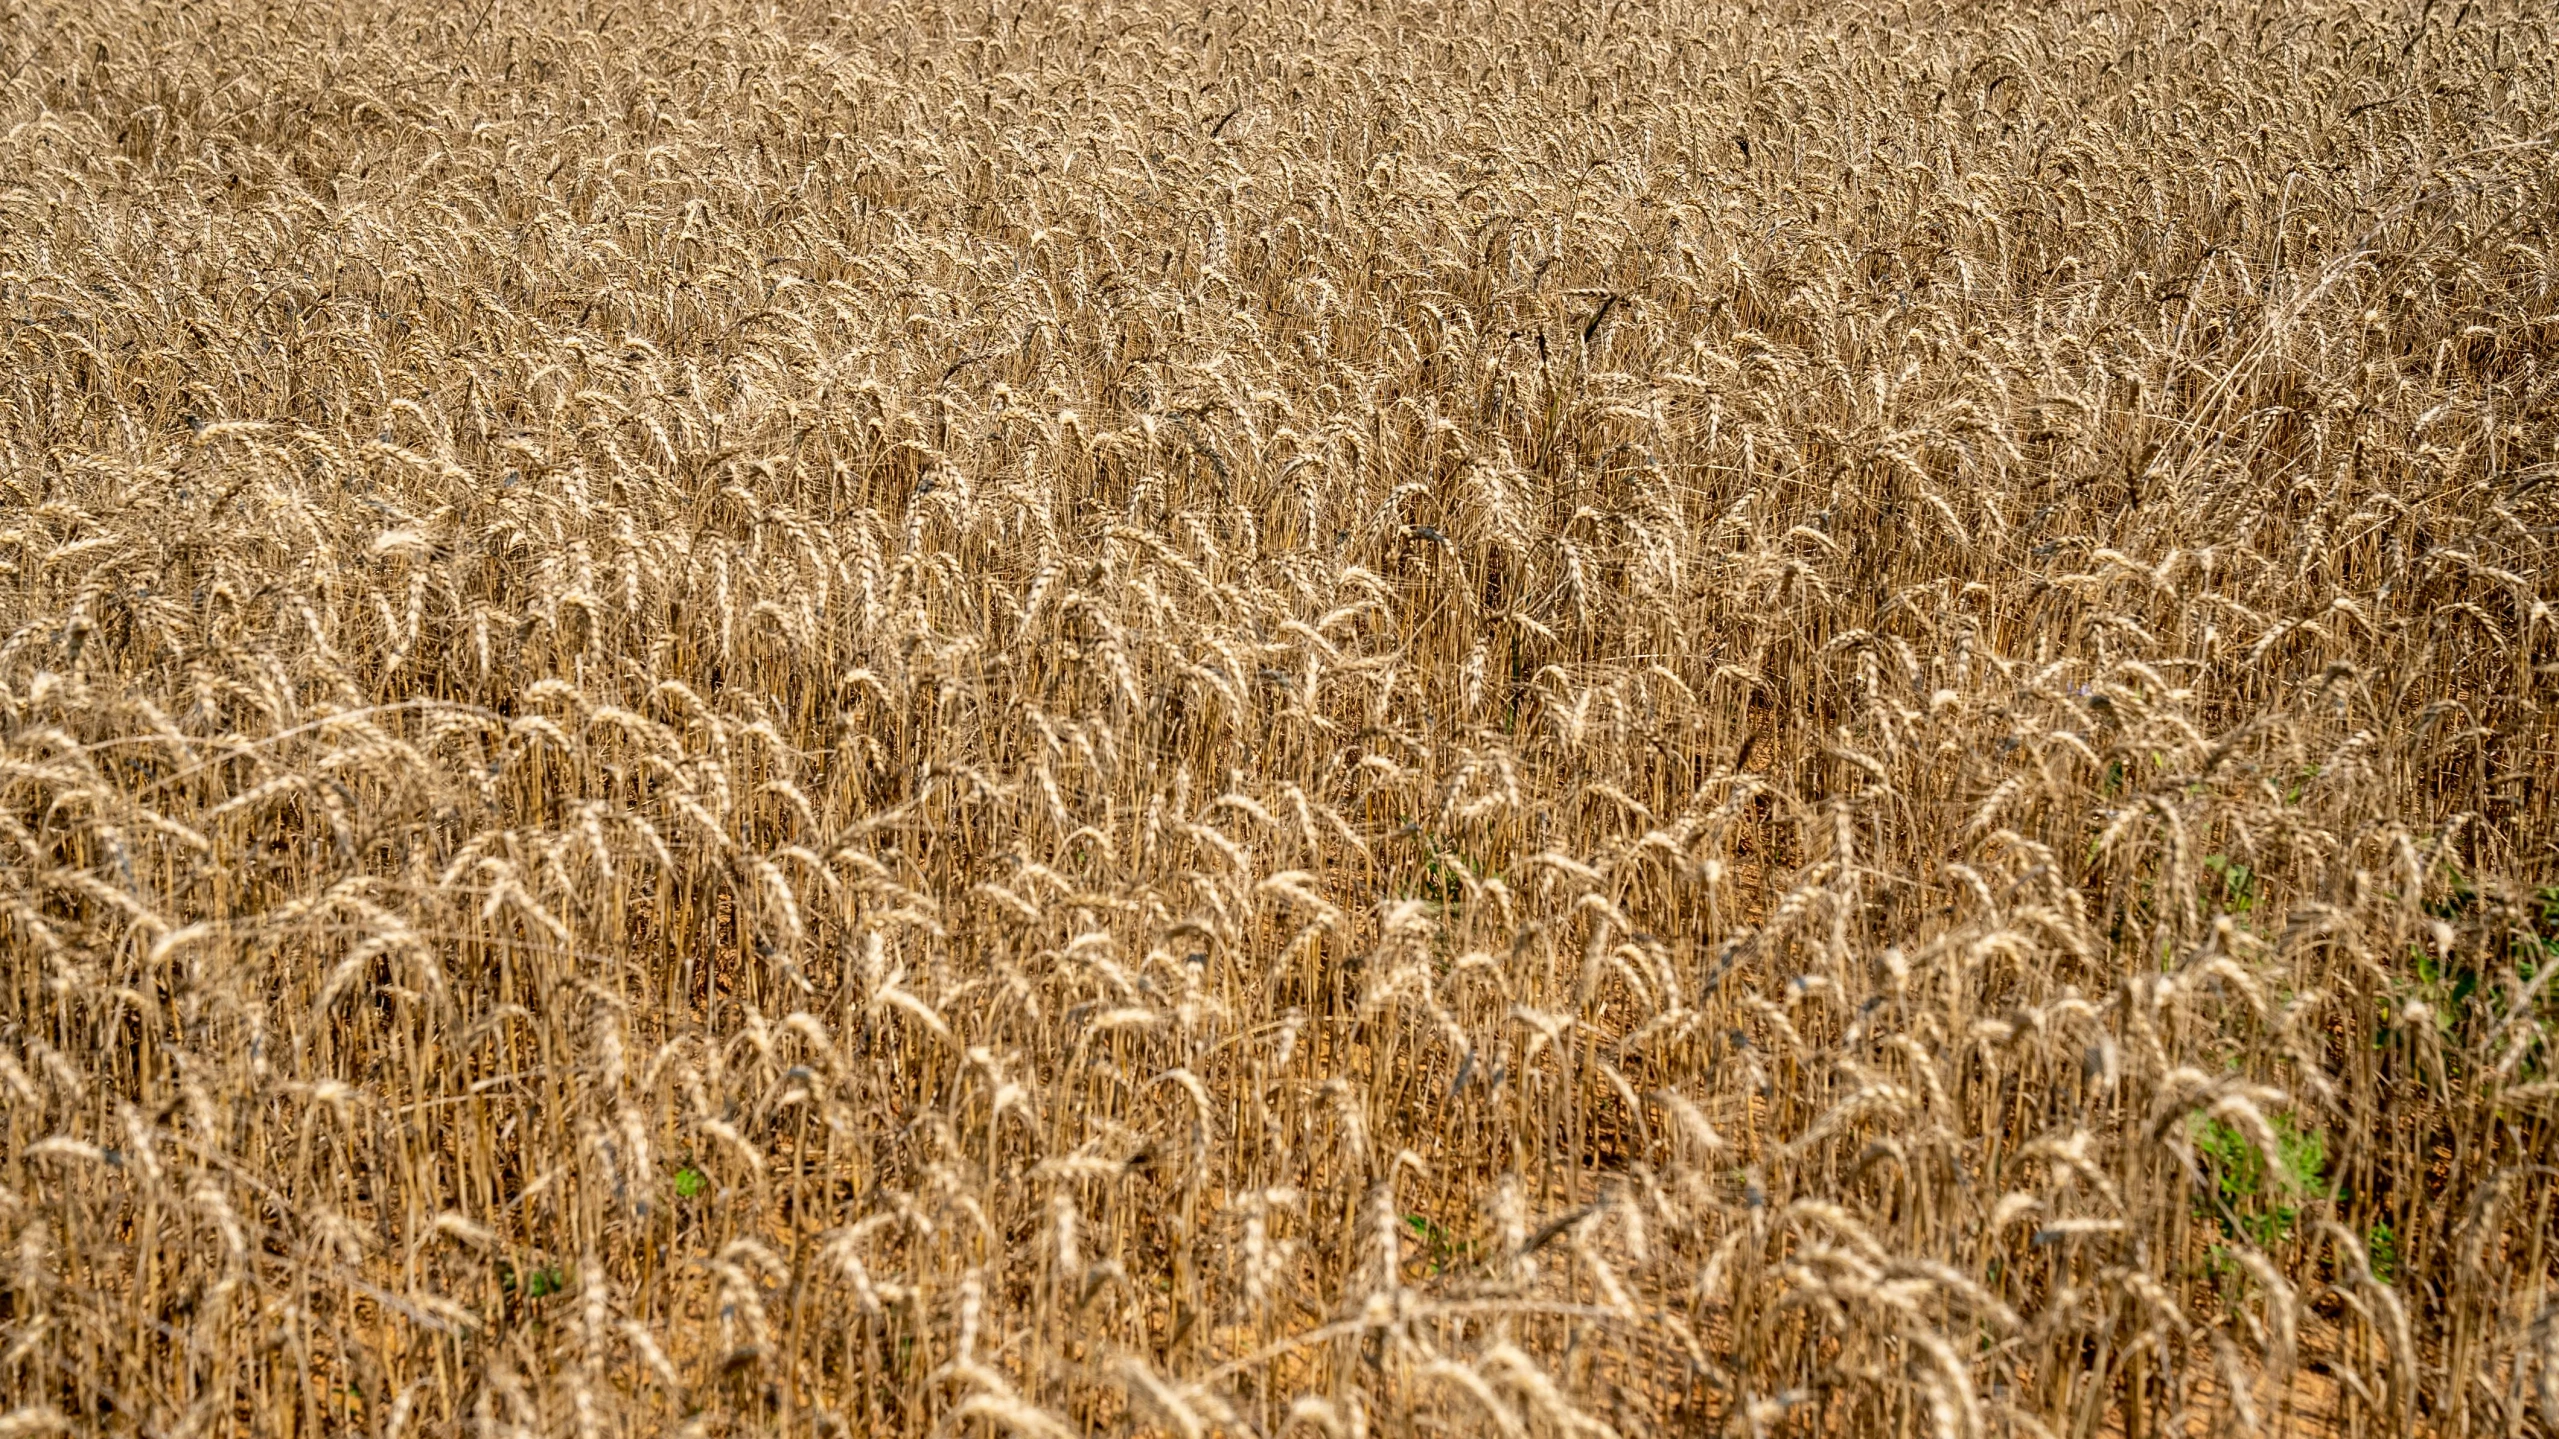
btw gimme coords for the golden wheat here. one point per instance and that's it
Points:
(1526, 719)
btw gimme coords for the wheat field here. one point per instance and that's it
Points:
(1347, 719)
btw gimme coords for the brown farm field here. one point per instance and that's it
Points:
(1330, 719)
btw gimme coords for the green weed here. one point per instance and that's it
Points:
(2251, 1199)
(2238, 883)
